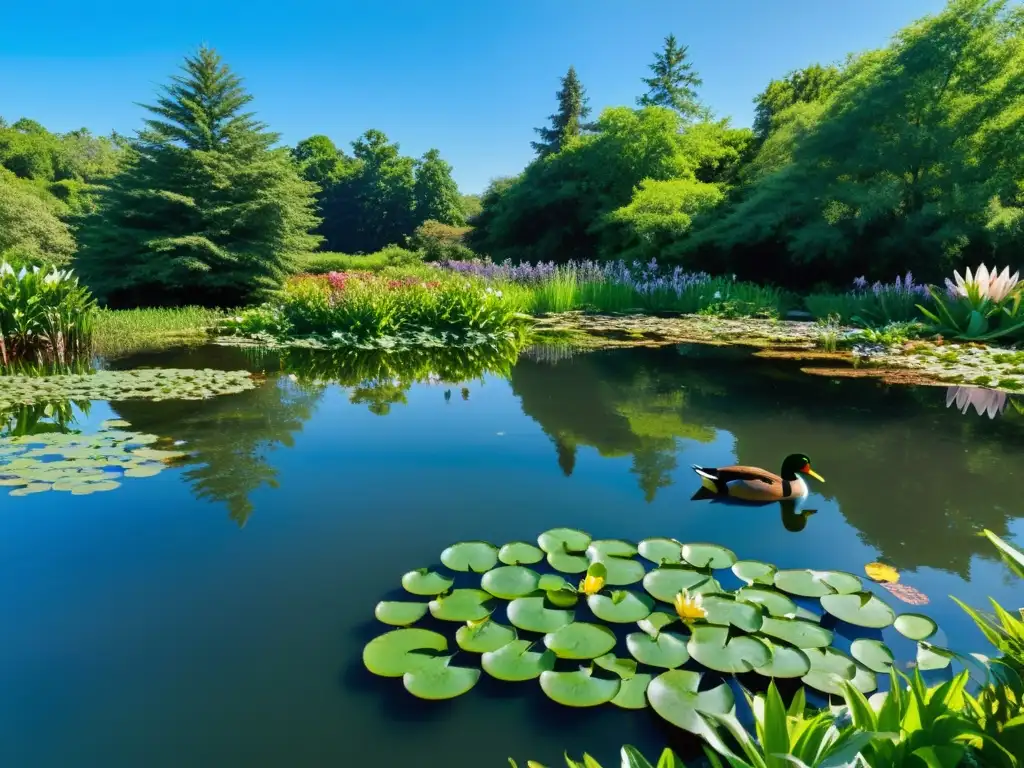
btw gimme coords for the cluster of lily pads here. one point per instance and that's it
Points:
(145, 383)
(685, 621)
(80, 464)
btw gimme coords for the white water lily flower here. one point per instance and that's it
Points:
(6, 269)
(994, 286)
(22, 273)
(986, 402)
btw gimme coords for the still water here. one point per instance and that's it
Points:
(214, 615)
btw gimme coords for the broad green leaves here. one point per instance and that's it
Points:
(676, 696)
(401, 650)
(476, 556)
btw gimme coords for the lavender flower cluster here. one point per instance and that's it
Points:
(901, 286)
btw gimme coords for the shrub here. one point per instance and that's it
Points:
(44, 315)
(439, 242)
(320, 263)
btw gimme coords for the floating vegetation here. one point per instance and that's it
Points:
(80, 464)
(882, 572)
(570, 633)
(142, 384)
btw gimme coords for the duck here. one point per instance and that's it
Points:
(756, 484)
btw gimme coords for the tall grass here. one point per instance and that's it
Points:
(120, 331)
(875, 305)
(320, 263)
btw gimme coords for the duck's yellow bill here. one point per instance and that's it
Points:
(815, 475)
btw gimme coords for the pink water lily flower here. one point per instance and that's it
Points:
(994, 286)
(987, 402)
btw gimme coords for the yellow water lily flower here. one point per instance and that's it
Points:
(690, 607)
(882, 572)
(591, 585)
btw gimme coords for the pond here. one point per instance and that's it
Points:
(214, 614)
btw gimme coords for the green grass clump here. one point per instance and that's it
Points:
(120, 331)
(320, 263)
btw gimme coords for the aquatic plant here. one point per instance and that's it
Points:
(871, 304)
(80, 464)
(121, 331)
(982, 306)
(523, 619)
(141, 384)
(986, 402)
(45, 315)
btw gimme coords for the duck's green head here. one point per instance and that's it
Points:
(798, 462)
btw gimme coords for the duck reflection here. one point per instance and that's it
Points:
(792, 512)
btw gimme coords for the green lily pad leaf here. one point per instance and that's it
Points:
(515, 662)
(931, 657)
(399, 614)
(426, 583)
(35, 488)
(114, 424)
(481, 637)
(620, 571)
(439, 680)
(715, 649)
(725, 610)
(860, 608)
(775, 603)
(478, 556)
(151, 470)
(84, 489)
(579, 688)
(786, 661)
(828, 667)
(657, 621)
(633, 692)
(566, 562)
(510, 581)
(666, 650)
(461, 605)
(755, 571)
(610, 548)
(808, 583)
(624, 668)
(676, 696)
(580, 640)
(563, 598)
(552, 582)
(915, 626)
(666, 582)
(563, 540)
(530, 614)
(631, 607)
(394, 653)
(661, 551)
(520, 553)
(703, 555)
(864, 680)
(797, 632)
(873, 654)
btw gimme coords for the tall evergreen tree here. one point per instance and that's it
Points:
(207, 210)
(674, 82)
(436, 193)
(568, 122)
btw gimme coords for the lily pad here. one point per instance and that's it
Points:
(564, 540)
(622, 607)
(515, 662)
(755, 572)
(39, 488)
(666, 650)
(715, 649)
(426, 583)
(461, 605)
(666, 582)
(563, 598)
(566, 562)
(552, 582)
(114, 424)
(633, 692)
(724, 610)
(478, 556)
(797, 632)
(520, 553)
(864, 680)
(624, 668)
(580, 640)
(399, 614)
(399, 651)
(703, 555)
(439, 680)
(774, 602)
(510, 581)
(786, 662)
(915, 626)
(828, 667)
(873, 654)
(661, 551)
(676, 696)
(610, 548)
(579, 688)
(147, 384)
(808, 583)
(530, 614)
(484, 636)
(620, 571)
(931, 657)
(656, 622)
(860, 608)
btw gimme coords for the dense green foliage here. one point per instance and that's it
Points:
(322, 262)
(568, 122)
(673, 82)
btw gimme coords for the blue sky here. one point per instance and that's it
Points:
(470, 78)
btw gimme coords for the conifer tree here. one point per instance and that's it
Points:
(674, 82)
(437, 194)
(568, 121)
(207, 210)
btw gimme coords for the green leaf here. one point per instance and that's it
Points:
(915, 626)
(786, 661)
(631, 757)
(773, 601)
(394, 653)
(566, 562)
(563, 598)
(715, 649)
(510, 581)
(631, 607)
(676, 697)
(426, 583)
(862, 609)
(873, 654)
(478, 556)
(580, 640)
(931, 657)
(704, 555)
(515, 662)
(553, 582)
(399, 614)
(530, 614)
(666, 582)
(661, 551)
(483, 637)
(579, 688)
(808, 583)
(666, 650)
(624, 668)
(797, 632)
(755, 572)
(726, 610)
(520, 553)
(656, 622)
(1012, 556)
(438, 680)
(610, 548)
(564, 540)
(461, 605)
(620, 571)
(633, 692)
(829, 667)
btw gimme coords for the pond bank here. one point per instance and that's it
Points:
(923, 362)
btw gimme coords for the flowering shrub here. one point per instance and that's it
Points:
(873, 304)
(981, 306)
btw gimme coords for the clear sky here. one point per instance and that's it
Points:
(470, 77)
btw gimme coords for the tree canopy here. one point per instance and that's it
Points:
(568, 122)
(673, 82)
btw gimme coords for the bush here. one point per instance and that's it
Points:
(320, 263)
(441, 242)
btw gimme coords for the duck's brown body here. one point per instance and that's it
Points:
(750, 483)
